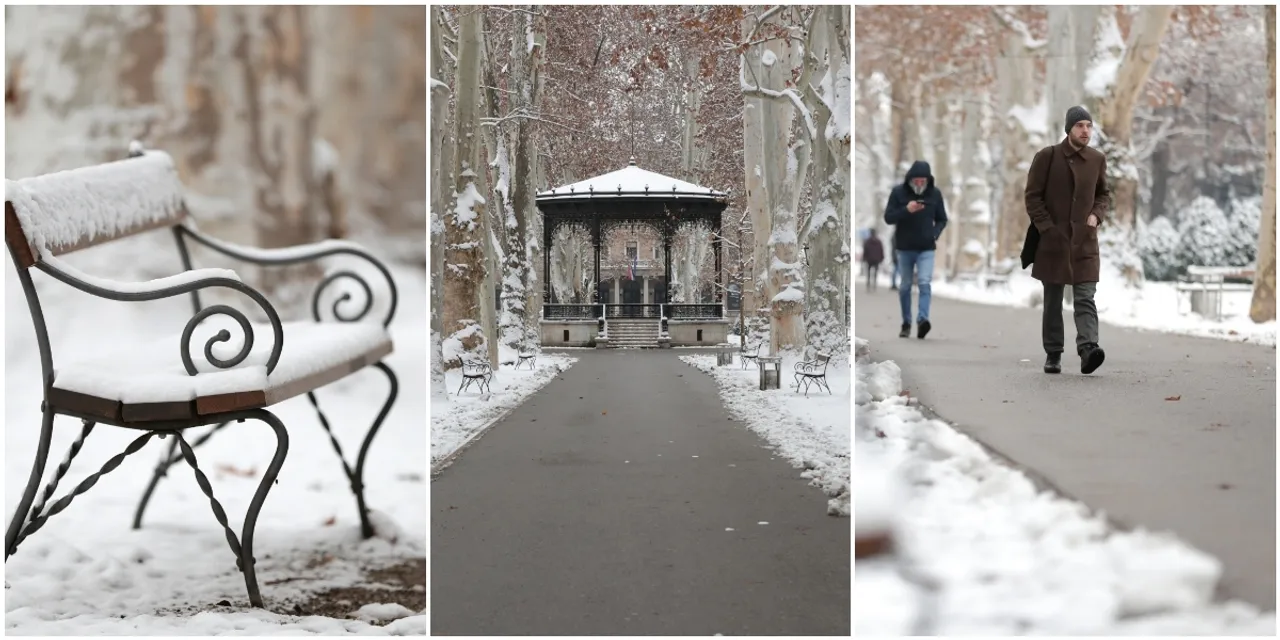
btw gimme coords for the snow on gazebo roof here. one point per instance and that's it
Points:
(631, 181)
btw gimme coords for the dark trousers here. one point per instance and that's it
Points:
(873, 271)
(1052, 331)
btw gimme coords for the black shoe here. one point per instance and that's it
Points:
(922, 329)
(1053, 363)
(1091, 357)
(906, 331)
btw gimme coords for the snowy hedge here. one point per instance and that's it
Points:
(1205, 236)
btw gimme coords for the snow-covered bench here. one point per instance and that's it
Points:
(159, 388)
(813, 372)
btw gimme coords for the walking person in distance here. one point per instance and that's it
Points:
(919, 215)
(872, 256)
(1066, 198)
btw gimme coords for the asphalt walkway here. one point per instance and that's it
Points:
(622, 500)
(1203, 466)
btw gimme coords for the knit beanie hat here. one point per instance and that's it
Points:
(1076, 114)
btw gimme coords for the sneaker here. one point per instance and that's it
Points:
(1091, 357)
(1053, 363)
(905, 332)
(923, 328)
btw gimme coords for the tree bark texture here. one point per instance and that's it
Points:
(1263, 306)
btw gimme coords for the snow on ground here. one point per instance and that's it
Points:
(460, 418)
(1156, 307)
(983, 551)
(88, 573)
(811, 432)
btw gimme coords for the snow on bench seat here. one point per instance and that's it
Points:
(314, 354)
(68, 210)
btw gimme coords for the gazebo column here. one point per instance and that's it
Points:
(546, 264)
(644, 289)
(617, 284)
(595, 242)
(715, 247)
(666, 260)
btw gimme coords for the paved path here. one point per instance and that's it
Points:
(543, 527)
(1203, 467)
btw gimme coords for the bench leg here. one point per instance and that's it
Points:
(162, 470)
(19, 519)
(356, 476)
(357, 483)
(243, 548)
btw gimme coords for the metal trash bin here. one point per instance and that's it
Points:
(724, 355)
(770, 372)
(1207, 303)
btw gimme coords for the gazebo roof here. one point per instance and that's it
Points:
(630, 182)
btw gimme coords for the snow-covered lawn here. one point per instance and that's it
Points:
(457, 420)
(811, 432)
(1001, 557)
(1156, 307)
(88, 573)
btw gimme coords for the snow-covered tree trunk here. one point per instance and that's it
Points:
(441, 162)
(1263, 306)
(516, 190)
(767, 130)
(940, 142)
(465, 229)
(525, 186)
(826, 326)
(973, 216)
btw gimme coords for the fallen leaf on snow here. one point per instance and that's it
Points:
(1174, 398)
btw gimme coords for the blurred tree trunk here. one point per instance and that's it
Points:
(1263, 307)
(1015, 73)
(272, 48)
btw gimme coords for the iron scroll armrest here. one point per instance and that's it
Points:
(310, 253)
(102, 289)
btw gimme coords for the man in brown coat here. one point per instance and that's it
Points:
(1067, 199)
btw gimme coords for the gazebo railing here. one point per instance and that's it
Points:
(655, 311)
(694, 311)
(571, 311)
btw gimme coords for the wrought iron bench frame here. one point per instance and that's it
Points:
(173, 418)
(812, 372)
(531, 358)
(478, 372)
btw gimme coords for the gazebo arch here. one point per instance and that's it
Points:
(630, 194)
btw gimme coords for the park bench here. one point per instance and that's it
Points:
(813, 372)
(157, 387)
(478, 372)
(530, 358)
(749, 354)
(1206, 286)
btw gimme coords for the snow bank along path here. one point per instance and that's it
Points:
(459, 420)
(1173, 432)
(809, 432)
(1002, 556)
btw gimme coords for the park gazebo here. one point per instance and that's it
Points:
(629, 196)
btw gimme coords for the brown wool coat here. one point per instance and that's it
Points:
(1063, 187)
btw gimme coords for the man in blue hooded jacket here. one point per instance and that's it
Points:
(916, 210)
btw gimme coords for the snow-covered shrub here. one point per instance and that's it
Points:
(1158, 245)
(1204, 235)
(1243, 218)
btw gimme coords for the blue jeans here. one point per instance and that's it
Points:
(909, 262)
